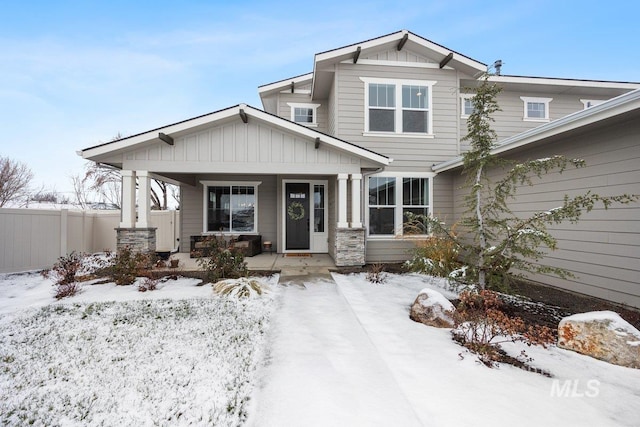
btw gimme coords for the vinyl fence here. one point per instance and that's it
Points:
(32, 239)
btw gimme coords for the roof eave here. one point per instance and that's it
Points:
(624, 103)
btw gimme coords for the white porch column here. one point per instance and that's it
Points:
(144, 199)
(342, 200)
(128, 216)
(356, 191)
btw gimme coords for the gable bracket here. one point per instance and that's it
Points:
(403, 41)
(357, 54)
(446, 60)
(243, 116)
(317, 145)
(166, 138)
(293, 87)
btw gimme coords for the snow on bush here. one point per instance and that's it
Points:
(244, 287)
(154, 362)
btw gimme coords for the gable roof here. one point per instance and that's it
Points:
(222, 116)
(614, 108)
(323, 62)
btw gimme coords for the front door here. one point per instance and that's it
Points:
(297, 228)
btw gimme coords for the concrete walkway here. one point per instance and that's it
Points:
(323, 369)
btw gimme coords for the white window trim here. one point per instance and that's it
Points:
(205, 200)
(588, 103)
(545, 101)
(313, 107)
(398, 220)
(398, 108)
(464, 98)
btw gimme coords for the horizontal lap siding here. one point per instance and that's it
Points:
(603, 248)
(409, 154)
(284, 110)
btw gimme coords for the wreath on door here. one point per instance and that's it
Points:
(295, 211)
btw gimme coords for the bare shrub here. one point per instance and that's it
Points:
(148, 284)
(376, 274)
(65, 273)
(481, 326)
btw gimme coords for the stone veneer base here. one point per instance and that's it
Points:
(349, 250)
(141, 240)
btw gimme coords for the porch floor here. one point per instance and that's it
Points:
(287, 265)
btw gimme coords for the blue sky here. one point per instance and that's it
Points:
(76, 73)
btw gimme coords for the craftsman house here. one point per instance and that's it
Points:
(334, 159)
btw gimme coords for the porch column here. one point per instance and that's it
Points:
(342, 200)
(128, 216)
(144, 199)
(356, 189)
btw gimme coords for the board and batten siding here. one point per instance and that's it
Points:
(255, 147)
(603, 248)
(192, 210)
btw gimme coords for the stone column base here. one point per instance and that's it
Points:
(141, 240)
(349, 247)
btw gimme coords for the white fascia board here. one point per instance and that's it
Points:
(284, 83)
(619, 105)
(153, 134)
(230, 112)
(564, 82)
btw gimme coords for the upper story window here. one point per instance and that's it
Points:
(591, 102)
(398, 106)
(536, 109)
(305, 114)
(466, 106)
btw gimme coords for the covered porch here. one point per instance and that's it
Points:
(242, 171)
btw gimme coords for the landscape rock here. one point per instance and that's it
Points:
(432, 309)
(603, 335)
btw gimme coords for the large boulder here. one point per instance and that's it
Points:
(603, 335)
(433, 309)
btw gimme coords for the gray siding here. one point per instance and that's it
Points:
(191, 214)
(509, 121)
(409, 154)
(284, 110)
(603, 248)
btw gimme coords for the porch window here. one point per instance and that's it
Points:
(391, 198)
(401, 107)
(231, 208)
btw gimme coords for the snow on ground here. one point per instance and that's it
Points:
(332, 353)
(179, 355)
(350, 355)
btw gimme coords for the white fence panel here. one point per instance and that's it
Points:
(33, 239)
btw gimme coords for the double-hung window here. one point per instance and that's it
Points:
(230, 207)
(391, 198)
(536, 109)
(398, 106)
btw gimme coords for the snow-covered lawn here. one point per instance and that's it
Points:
(329, 353)
(176, 356)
